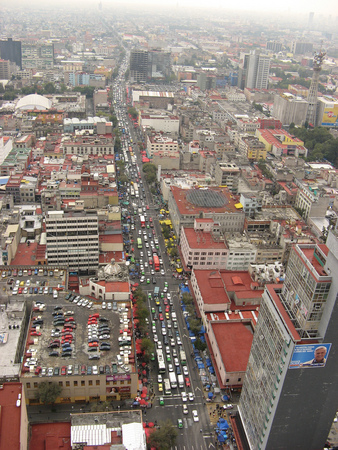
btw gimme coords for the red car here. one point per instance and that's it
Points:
(187, 381)
(35, 333)
(37, 370)
(70, 319)
(63, 370)
(165, 301)
(95, 315)
(29, 272)
(167, 308)
(93, 344)
(92, 322)
(20, 290)
(160, 316)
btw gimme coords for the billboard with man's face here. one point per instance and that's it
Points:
(309, 355)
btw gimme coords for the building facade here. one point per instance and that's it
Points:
(293, 354)
(72, 239)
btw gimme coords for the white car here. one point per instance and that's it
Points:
(142, 279)
(171, 369)
(104, 305)
(109, 305)
(185, 371)
(141, 254)
(191, 397)
(184, 396)
(176, 362)
(159, 379)
(185, 409)
(155, 338)
(162, 272)
(195, 415)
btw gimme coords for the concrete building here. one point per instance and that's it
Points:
(11, 51)
(37, 56)
(290, 109)
(202, 247)
(88, 145)
(258, 71)
(227, 174)
(73, 239)
(311, 201)
(160, 122)
(252, 148)
(299, 47)
(138, 66)
(160, 143)
(293, 352)
(327, 112)
(210, 203)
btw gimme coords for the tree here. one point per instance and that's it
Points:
(49, 88)
(147, 346)
(200, 345)
(133, 112)
(149, 167)
(165, 437)
(47, 393)
(195, 325)
(150, 177)
(117, 145)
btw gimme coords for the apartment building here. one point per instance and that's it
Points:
(72, 239)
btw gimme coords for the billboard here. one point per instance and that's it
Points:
(309, 355)
(330, 116)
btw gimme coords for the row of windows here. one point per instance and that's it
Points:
(76, 383)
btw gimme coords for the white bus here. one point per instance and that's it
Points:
(167, 389)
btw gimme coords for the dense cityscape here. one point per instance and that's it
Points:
(169, 233)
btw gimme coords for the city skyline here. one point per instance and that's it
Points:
(328, 9)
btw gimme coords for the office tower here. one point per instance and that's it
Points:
(138, 66)
(73, 239)
(159, 64)
(299, 48)
(274, 46)
(313, 91)
(11, 51)
(242, 71)
(289, 396)
(311, 15)
(258, 71)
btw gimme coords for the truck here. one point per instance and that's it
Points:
(173, 381)
(156, 291)
(142, 221)
(180, 380)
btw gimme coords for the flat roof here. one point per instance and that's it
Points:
(234, 340)
(202, 239)
(10, 422)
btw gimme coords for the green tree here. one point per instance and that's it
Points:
(117, 145)
(165, 437)
(200, 345)
(147, 346)
(195, 325)
(47, 393)
(88, 91)
(49, 88)
(150, 177)
(133, 112)
(149, 168)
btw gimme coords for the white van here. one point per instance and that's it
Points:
(55, 293)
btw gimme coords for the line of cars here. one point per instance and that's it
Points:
(98, 334)
(79, 301)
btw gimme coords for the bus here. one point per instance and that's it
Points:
(156, 263)
(160, 361)
(167, 389)
(132, 191)
(139, 243)
(183, 358)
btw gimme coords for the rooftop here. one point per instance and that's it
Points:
(202, 239)
(234, 341)
(10, 416)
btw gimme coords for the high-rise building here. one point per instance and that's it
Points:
(274, 46)
(299, 48)
(73, 239)
(11, 51)
(258, 71)
(149, 65)
(138, 66)
(289, 396)
(242, 71)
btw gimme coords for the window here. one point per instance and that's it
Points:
(67, 383)
(83, 383)
(28, 385)
(90, 382)
(60, 383)
(239, 379)
(97, 382)
(227, 380)
(75, 383)
(35, 385)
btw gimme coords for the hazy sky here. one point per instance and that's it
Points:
(303, 7)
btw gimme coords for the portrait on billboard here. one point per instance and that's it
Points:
(309, 355)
